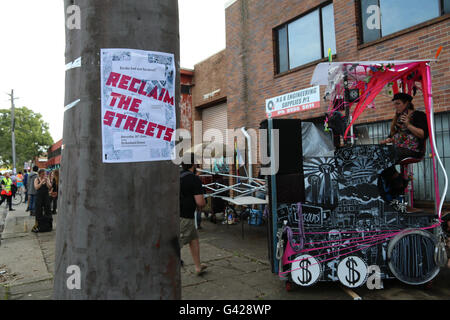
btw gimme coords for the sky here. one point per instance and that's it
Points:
(32, 58)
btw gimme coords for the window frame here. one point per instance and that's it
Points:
(186, 87)
(285, 25)
(361, 23)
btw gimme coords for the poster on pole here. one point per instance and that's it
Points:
(293, 102)
(138, 105)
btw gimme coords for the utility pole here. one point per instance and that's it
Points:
(118, 224)
(13, 125)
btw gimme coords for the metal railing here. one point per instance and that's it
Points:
(240, 188)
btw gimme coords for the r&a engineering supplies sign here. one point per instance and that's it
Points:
(293, 102)
(138, 105)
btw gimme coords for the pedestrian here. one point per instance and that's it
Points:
(25, 181)
(191, 198)
(14, 185)
(7, 191)
(54, 190)
(19, 179)
(32, 191)
(44, 218)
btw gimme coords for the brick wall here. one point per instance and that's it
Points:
(250, 72)
(54, 160)
(186, 100)
(210, 85)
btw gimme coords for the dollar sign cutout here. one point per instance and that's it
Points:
(352, 272)
(306, 274)
(306, 270)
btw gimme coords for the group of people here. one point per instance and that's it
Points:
(41, 194)
(8, 190)
(42, 190)
(10, 184)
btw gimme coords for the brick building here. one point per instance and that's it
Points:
(209, 93)
(272, 48)
(40, 162)
(186, 99)
(54, 156)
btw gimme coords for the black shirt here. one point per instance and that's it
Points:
(54, 186)
(43, 190)
(419, 120)
(190, 185)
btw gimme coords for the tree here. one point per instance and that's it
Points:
(32, 136)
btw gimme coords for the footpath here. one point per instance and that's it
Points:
(238, 267)
(25, 259)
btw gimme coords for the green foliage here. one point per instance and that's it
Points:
(32, 136)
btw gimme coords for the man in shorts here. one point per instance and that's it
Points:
(191, 198)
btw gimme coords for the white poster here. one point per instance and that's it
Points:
(138, 105)
(293, 102)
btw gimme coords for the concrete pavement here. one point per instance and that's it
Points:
(238, 269)
(25, 272)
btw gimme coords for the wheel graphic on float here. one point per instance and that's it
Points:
(411, 256)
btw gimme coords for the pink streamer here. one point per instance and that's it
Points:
(383, 238)
(427, 96)
(334, 258)
(379, 80)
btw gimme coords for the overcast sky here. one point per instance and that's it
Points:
(33, 43)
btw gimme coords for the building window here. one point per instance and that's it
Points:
(381, 18)
(306, 39)
(185, 89)
(53, 154)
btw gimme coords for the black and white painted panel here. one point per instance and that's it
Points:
(346, 225)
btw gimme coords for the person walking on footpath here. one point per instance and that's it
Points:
(19, 179)
(54, 178)
(7, 191)
(25, 181)
(31, 190)
(191, 198)
(14, 185)
(44, 220)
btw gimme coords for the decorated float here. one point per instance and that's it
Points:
(329, 219)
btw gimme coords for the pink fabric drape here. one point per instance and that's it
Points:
(417, 71)
(378, 81)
